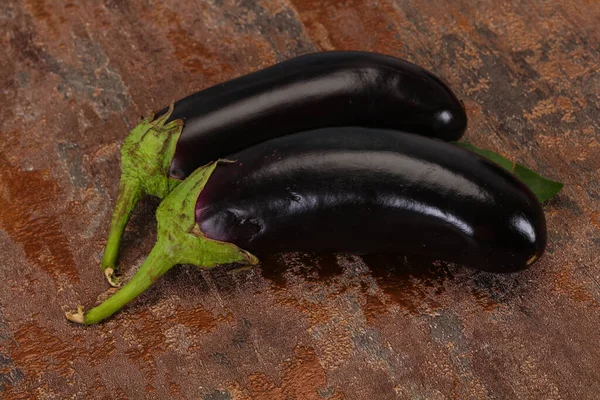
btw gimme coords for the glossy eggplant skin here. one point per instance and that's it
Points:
(361, 190)
(340, 88)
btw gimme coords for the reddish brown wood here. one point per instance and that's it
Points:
(77, 75)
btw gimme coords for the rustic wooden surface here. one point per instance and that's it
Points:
(76, 76)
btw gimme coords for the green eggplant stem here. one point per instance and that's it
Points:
(146, 156)
(129, 194)
(159, 261)
(179, 241)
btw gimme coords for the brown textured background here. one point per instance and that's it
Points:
(76, 76)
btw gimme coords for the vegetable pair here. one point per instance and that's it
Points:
(335, 189)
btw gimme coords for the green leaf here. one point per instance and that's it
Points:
(543, 188)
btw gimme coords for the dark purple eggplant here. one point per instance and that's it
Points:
(313, 91)
(350, 190)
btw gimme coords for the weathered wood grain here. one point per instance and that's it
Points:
(76, 76)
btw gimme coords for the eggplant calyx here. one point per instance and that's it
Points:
(147, 153)
(179, 241)
(146, 156)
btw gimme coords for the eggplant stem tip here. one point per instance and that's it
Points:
(78, 317)
(113, 280)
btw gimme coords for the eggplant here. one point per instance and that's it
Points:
(318, 90)
(349, 190)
